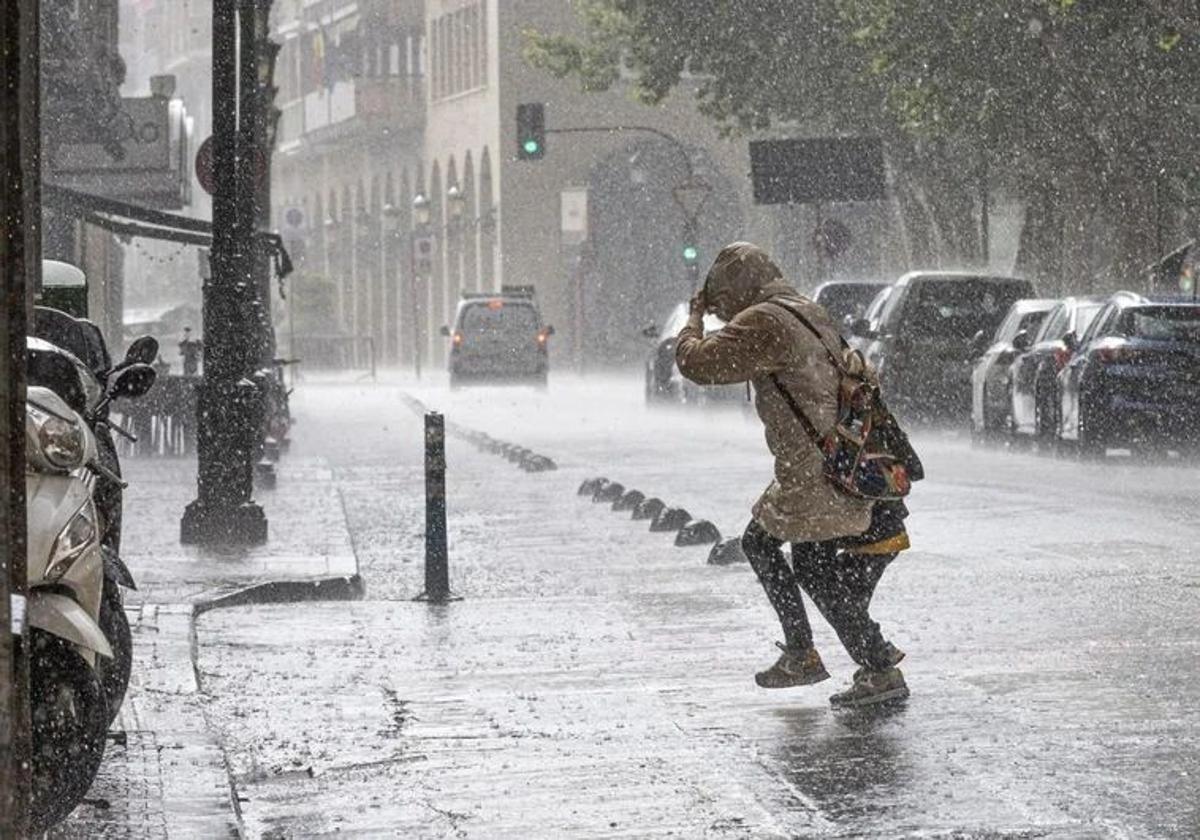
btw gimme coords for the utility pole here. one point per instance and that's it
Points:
(229, 405)
(258, 133)
(19, 268)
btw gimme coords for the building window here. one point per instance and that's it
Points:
(459, 51)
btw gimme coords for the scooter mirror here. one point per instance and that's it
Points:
(143, 351)
(134, 381)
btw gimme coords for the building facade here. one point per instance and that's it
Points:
(390, 102)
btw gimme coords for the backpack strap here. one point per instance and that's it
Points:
(799, 412)
(833, 351)
(834, 357)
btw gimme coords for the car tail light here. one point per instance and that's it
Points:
(1061, 356)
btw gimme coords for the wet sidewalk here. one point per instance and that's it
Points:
(164, 773)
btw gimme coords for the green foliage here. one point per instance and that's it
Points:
(1075, 103)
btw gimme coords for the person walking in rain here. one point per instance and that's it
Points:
(840, 544)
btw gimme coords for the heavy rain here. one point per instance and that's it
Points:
(599, 418)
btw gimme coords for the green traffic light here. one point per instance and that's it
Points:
(690, 253)
(531, 147)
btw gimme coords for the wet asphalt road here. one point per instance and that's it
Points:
(596, 681)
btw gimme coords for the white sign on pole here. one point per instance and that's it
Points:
(574, 215)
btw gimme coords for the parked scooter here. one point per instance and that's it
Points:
(84, 341)
(68, 647)
(68, 706)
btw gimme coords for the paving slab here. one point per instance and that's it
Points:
(163, 774)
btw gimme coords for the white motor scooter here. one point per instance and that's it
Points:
(68, 706)
(65, 567)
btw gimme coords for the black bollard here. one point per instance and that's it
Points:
(437, 562)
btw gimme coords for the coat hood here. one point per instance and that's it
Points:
(741, 276)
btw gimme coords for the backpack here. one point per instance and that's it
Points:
(866, 455)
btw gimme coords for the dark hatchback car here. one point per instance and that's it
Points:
(991, 383)
(1034, 374)
(1135, 380)
(846, 300)
(499, 338)
(923, 345)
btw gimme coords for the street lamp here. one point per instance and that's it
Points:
(421, 250)
(456, 202)
(421, 210)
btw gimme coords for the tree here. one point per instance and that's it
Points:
(1079, 109)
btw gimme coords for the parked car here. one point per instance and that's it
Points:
(1135, 380)
(991, 378)
(664, 383)
(922, 345)
(1034, 373)
(868, 324)
(847, 300)
(499, 338)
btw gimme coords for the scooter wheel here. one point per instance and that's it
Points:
(114, 673)
(70, 718)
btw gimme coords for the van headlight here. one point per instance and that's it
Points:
(76, 537)
(61, 441)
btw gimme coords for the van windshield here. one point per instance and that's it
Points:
(957, 309)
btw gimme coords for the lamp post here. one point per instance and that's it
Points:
(690, 196)
(229, 402)
(422, 268)
(391, 245)
(456, 207)
(363, 310)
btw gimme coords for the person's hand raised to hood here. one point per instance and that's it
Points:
(753, 340)
(697, 308)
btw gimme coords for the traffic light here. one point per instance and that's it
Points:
(531, 131)
(691, 254)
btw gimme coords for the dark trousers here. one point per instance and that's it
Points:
(840, 584)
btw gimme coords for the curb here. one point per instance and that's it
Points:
(339, 588)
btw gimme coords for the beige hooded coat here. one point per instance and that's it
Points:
(761, 338)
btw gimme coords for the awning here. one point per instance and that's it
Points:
(125, 219)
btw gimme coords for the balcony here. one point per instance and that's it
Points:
(391, 103)
(359, 109)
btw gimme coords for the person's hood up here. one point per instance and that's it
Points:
(741, 276)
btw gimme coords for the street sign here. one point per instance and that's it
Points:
(142, 130)
(574, 215)
(204, 167)
(423, 246)
(149, 164)
(817, 170)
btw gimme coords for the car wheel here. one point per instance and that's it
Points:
(1091, 443)
(1045, 418)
